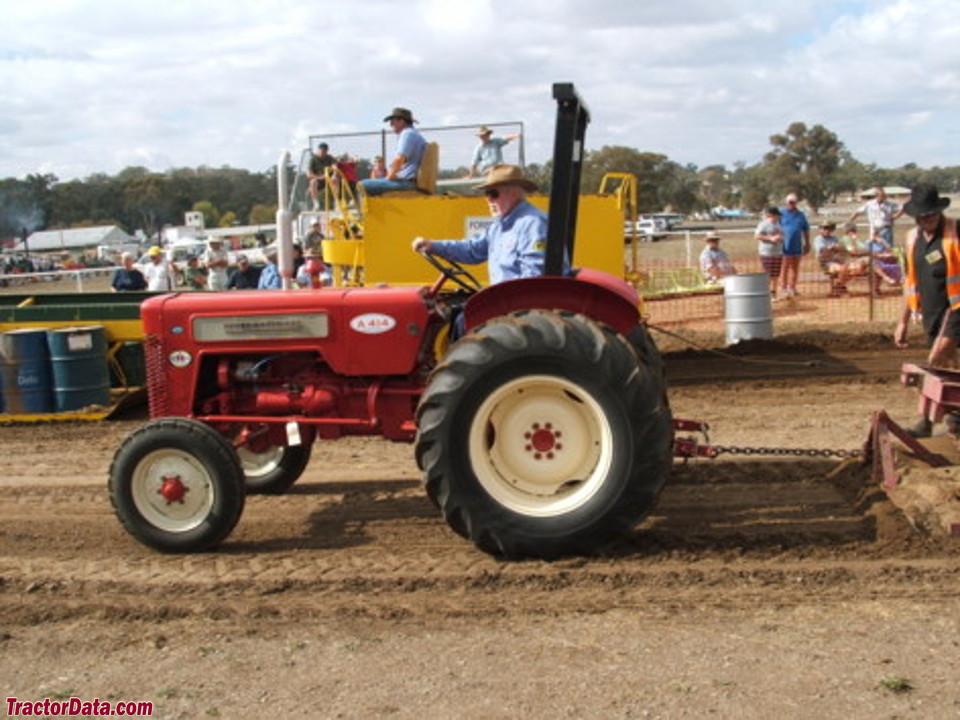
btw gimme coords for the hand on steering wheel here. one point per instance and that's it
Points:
(453, 271)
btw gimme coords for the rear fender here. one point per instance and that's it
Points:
(601, 296)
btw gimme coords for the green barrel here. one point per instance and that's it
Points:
(25, 371)
(78, 362)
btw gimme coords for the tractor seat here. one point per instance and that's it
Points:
(426, 174)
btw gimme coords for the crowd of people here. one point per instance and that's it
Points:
(783, 239)
(213, 271)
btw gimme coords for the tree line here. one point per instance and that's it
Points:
(811, 161)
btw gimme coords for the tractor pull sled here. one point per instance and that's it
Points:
(921, 475)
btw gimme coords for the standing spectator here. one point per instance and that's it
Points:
(321, 161)
(796, 244)
(127, 278)
(402, 173)
(216, 261)
(715, 264)
(157, 273)
(931, 287)
(245, 276)
(270, 275)
(194, 276)
(489, 151)
(769, 237)
(881, 214)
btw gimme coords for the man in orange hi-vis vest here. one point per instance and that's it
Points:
(931, 287)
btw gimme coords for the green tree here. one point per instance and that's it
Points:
(803, 160)
(211, 215)
(261, 214)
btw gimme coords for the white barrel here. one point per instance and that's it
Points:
(747, 308)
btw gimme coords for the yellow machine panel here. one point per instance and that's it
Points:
(390, 223)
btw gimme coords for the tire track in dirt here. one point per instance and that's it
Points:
(724, 536)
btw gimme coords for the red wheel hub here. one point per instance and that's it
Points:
(542, 441)
(173, 489)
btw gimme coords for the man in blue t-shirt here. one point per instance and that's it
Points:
(489, 151)
(402, 172)
(796, 244)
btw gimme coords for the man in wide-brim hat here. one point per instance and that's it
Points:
(932, 280)
(489, 151)
(403, 169)
(515, 243)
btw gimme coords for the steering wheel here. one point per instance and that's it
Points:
(454, 272)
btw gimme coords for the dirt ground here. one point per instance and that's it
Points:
(762, 586)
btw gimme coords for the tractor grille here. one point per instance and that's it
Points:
(156, 380)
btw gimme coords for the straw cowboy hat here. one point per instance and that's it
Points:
(402, 113)
(507, 175)
(925, 200)
(711, 236)
(484, 130)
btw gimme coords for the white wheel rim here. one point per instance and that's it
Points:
(258, 464)
(188, 486)
(541, 445)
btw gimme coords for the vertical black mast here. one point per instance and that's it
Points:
(572, 119)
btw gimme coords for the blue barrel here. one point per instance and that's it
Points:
(25, 372)
(78, 361)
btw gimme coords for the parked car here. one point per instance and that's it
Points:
(649, 228)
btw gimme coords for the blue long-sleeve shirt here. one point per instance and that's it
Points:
(514, 246)
(269, 278)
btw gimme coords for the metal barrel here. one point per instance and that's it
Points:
(78, 361)
(748, 311)
(25, 371)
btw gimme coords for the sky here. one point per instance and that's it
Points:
(95, 86)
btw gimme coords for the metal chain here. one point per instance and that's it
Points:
(801, 452)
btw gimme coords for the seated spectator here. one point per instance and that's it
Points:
(379, 169)
(270, 275)
(402, 172)
(886, 264)
(245, 276)
(312, 273)
(715, 264)
(320, 162)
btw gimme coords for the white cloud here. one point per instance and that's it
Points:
(95, 86)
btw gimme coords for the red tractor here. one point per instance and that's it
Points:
(543, 431)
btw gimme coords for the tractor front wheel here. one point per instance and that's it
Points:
(543, 434)
(177, 485)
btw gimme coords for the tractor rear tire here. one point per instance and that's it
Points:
(177, 485)
(543, 434)
(275, 470)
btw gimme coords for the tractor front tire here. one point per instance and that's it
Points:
(177, 485)
(543, 434)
